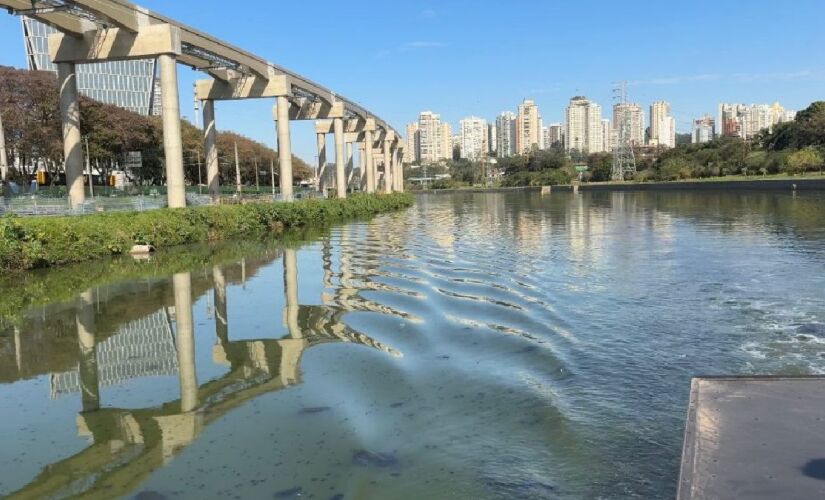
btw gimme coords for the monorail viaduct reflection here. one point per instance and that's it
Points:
(128, 444)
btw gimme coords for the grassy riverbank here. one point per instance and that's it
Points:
(36, 242)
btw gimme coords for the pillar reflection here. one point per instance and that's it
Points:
(185, 341)
(88, 369)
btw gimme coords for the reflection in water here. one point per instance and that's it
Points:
(128, 444)
(548, 343)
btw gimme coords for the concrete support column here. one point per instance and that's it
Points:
(185, 341)
(387, 168)
(350, 165)
(399, 171)
(368, 161)
(70, 116)
(291, 293)
(172, 144)
(340, 169)
(4, 162)
(210, 148)
(87, 367)
(284, 147)
(362, 166)
(321, 143)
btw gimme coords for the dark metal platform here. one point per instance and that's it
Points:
(754, 438)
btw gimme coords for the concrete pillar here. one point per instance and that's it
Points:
(87, 367)
(172, 144)
(362, 166)
(350, 165)
(368, 161)
(210, 148)
(284, 147)
(70, 116)
(321, 143)
(185, 341)
(340, 168)
(4, 162)
(399, 172)
(395, 164)
(291, 293)
(387, 168)
(221, 321)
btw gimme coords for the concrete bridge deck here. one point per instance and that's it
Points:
(754, 438)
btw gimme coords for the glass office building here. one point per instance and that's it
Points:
(130, 85)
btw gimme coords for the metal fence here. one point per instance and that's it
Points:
(49, 205)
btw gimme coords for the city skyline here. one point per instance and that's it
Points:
(420, 68)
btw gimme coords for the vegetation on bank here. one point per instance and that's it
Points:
(36, 242)
(792, 148)
(31, 118)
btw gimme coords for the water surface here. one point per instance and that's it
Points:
(473, 346)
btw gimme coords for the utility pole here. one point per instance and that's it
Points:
(272, 174)
(4, 165)
(237, 170)
(89, 168)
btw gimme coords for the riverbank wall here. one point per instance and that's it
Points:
(479, 190)
(38, 242)
(747, 185)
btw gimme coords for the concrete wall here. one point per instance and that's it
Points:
(768, 184)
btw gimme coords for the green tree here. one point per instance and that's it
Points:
(803, 160)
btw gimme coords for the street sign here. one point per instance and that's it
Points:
(134, 160)
(581, 168)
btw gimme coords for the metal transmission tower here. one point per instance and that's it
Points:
(623, 160)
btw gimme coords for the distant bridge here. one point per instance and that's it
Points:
(109, 30)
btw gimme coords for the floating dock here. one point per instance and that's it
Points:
(754, 438)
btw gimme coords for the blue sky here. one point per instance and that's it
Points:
(460, 58)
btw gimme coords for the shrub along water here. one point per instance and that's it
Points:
(34, 242)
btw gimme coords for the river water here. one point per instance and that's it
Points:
(472, 346)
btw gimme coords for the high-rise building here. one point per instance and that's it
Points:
(541, 133)
(528, 127)
(704, 130)
(446, 141)
(732, 120)
(432, 143)
(607, 135)
(662, 125)
(411, 154)
(473, 138)
(506, 130)
(492, 139)
(126, 84)
(555, 135)
(637, 121)
(746, 121)
(583, 126)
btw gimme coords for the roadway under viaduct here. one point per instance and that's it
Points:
(108, 30)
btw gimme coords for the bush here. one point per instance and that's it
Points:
(803, 160)
(31, 242)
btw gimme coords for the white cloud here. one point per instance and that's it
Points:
(423, 44)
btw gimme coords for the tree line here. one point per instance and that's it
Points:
(32, 125)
